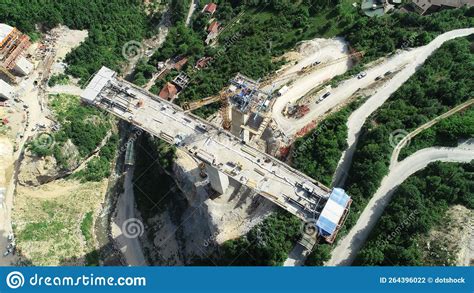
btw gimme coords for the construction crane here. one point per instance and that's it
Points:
(198, 104)
(309, 68)
(223, 97)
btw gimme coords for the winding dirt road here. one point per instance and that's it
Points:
(405, 62)
(416, 57)
(347, 248)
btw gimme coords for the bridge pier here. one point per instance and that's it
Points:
(219, 181)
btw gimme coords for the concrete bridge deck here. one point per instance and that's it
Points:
(224, 154)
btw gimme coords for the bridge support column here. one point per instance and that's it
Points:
(219, 181)
(238, 119)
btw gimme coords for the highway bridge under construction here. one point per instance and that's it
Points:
(226, 156)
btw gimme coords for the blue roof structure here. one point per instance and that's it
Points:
(332, 212)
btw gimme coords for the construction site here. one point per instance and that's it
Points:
(233, 155)
(13, 45)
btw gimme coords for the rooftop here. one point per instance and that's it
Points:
(210, 8)
(5, 30)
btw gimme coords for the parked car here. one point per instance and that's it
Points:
(362, 75)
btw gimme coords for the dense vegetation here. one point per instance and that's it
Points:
(267, 244)
(99, 167)
(83, 126)
(58, 79)
(378, 36)
(318, 152)
(320, 254)
(418, 205)
(443, 82)
(445, 133)
(265, 29)
(110, 23)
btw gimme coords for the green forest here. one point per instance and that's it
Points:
(266, 244)
(75, 121)
(444, 81)
(266, 30)
(417, 206)
(318, 152)
(445, 133)
(110, 23)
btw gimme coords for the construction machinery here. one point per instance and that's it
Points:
(223, 97)
(190, 106)
(226, 122)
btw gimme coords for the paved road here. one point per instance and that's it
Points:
(416, 57)
(347, 248)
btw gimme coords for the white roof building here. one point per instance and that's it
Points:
(5, 30)
(98, 82)
(6, 91)
(23, 66)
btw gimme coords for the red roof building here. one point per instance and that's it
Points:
(168, 92)
(210, 8)
(178, 65)
(201, 63)
(213, 27)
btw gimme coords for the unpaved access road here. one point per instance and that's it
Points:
(325, 51)
(416, 57)
(347, 248)
(405, 61)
